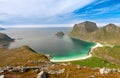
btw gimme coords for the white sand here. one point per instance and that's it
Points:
(74, 59)
(80, 58)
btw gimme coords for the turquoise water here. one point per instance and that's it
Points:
(78, 50)
(44, 40)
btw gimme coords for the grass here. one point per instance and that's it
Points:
(110, 54)
(19, 56)
(95, 62)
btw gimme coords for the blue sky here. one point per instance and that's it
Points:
(56, 12)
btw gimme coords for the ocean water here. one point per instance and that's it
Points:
(44, 40)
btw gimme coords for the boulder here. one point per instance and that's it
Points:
(42, 74)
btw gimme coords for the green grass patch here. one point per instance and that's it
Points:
(95, 62)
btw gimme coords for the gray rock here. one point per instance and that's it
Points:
(42, 74)
(60, 34)
(85, 27)
(2, 76)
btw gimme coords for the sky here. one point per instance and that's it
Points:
(58, 12)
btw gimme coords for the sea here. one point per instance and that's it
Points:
(44, 40)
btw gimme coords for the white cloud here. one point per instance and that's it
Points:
(107, 9)
(39, 8)
(101, 1)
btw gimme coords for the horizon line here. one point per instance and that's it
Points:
(48, 25)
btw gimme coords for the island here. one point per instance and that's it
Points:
(60, 34)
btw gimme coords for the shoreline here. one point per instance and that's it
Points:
(80, 58)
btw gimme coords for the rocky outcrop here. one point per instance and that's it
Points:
(108, 70)
(111, 28)
(4, 37)
(60, 34)
(42, 74)
(89, 31)
(85, 27)
(1, 76)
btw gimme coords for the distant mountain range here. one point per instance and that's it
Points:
(89, 31)
(1, 28)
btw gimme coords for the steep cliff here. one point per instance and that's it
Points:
(89, 31)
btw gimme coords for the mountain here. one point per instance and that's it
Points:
(4, 37)
(90, 32)
(85, 27)
(2, 28)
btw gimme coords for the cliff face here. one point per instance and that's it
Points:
(85, 27)
(4, 37)
(89, 31)
(111, 28)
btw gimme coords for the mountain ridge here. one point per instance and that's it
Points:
(106, 34)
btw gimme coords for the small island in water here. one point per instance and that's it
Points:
(101, 59)
(60, 34)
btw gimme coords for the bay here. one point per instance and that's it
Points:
(44, 40)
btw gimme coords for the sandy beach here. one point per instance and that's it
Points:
(81, 58)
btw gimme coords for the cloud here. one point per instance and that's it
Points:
(58, 11)
(42, 9)
(105, 10)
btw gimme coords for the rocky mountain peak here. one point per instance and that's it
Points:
(85, 27)
(111, 27)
